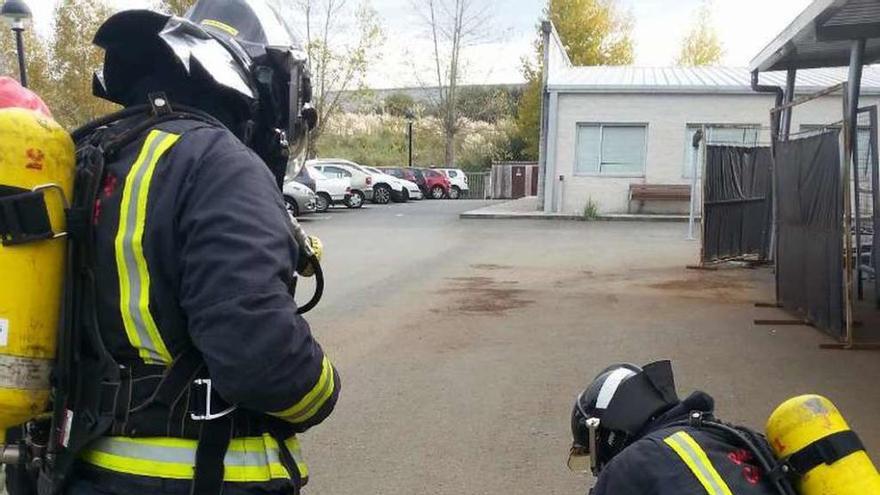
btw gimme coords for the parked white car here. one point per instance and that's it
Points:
(329, 191)
(386, 187)
(362, 187)
(410, 189)
(457, 180)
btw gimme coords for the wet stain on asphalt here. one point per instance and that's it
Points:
(485, 295)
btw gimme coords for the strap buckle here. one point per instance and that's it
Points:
(695, 419)
(64, 201)
(204, 386)
(159, 103)
(24, 214)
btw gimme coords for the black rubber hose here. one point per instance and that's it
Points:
(319, 288)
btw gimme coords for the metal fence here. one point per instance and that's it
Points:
(478, 186)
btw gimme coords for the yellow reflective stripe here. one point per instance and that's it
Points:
(698, 462)
(134, 276)
(312, 402)
(252, 459)
(220, 25)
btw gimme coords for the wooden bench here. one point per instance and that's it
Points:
(658, 192)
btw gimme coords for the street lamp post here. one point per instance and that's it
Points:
(16, 12)
(409, 134)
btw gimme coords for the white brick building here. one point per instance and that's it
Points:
(609, 127)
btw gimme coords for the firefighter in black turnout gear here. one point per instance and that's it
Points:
(195, 259)
(635, 435)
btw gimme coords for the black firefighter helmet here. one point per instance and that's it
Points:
(236, 59)
(614, 408)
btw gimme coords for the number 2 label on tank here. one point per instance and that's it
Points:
(4, 332)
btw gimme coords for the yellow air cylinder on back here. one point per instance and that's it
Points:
(34, 151)
(801, 421)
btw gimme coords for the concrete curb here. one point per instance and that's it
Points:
(475, 215)
(469, 215)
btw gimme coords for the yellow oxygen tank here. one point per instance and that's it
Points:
(800, 422)
(35, 152)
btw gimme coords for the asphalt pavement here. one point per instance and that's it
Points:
(462, 344)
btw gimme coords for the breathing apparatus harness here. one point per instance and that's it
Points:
(777, 473)
(780, 474)
(159, 110)
(91, 393)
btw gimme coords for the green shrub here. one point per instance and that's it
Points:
(591, 210)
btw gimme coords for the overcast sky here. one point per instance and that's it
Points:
(745, 27)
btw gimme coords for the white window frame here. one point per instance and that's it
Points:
(602, 126)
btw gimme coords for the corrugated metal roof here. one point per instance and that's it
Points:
(629, 79)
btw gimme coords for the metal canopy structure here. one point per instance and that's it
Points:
(830, 33)
(822, 37)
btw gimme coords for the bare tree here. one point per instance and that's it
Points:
(452, 25)
(341, 40)
(177, 7)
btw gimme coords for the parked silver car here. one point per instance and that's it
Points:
(298, 198)
(361, 180)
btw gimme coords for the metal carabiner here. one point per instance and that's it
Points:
(209, 414)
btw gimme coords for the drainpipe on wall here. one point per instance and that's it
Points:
(780, 94)
(774, 136)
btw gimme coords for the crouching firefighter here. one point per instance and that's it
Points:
(635, 435)
(184, 365)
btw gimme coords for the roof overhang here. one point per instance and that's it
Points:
(822, 36)
(684, 90)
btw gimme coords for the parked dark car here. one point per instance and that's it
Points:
(410, 174)
(436, 183)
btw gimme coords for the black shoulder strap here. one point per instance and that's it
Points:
(828, 450)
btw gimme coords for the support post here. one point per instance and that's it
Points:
(409, 134)
(549, 175)
(704, 154)
(851, 116)
(546, 29)
(855, 84)
(18, 28)
(561, 208)
(875, 197)
(695, 146)
(788, 97)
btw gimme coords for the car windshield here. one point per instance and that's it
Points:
(359, 168)
(315, 173)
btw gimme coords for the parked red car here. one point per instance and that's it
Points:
(437, 185)
(410, 174)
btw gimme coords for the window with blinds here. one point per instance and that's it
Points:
(611, 149)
